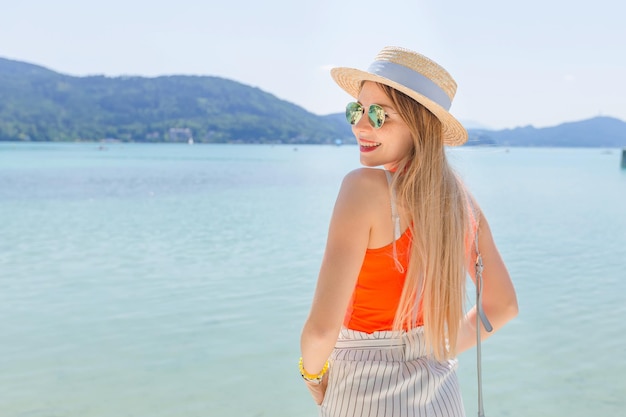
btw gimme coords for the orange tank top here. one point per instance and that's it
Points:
(380, 282)
(379, 287)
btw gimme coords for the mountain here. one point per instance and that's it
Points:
(339, 123)
(605, 132)
(37, 104)
(596, 132)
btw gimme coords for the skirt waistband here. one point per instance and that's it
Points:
(399, 345)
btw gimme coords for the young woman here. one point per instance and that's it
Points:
(388, 318)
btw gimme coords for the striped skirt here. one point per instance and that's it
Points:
(378, 375)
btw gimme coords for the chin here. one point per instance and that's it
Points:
(369, 160)
(369, 164)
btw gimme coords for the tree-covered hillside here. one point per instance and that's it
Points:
(37, 104)
(599, 131)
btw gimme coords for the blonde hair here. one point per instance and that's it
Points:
(435, 200)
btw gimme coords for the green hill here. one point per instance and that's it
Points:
(37, 104)
(596, 132)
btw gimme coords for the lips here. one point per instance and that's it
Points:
(368, 146)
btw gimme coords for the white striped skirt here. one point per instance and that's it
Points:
(379, 375)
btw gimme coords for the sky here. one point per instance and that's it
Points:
(536, 62)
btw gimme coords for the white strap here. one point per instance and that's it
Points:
(395, 217)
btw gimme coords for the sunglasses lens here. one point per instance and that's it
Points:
(354, 111)
(376, 115)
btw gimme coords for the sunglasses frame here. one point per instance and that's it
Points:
(375, 113)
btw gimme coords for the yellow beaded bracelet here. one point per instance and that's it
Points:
(313, 378)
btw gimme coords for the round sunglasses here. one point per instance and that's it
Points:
(376, 114)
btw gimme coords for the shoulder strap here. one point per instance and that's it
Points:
(395, 217)
(394, 209)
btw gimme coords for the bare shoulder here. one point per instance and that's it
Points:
(473, 204)
(365, 179)
(485, 240)
(362, 189)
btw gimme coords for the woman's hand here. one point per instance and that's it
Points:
(318, 390)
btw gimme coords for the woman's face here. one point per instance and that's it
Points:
(389, 144)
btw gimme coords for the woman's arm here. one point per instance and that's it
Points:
(347, 242)
(499, 299)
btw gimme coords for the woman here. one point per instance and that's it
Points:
(387, 319)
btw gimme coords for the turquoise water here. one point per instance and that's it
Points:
(173, 280)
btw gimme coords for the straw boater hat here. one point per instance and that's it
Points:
(416, 76)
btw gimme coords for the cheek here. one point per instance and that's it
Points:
(406, 143)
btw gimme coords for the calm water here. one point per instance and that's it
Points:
(173, 280)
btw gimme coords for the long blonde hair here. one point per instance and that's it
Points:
(435, 200)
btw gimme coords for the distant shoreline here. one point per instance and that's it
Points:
(607, 149)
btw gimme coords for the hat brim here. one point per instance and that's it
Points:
(351, 79)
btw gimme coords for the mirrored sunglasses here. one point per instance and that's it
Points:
(376, 114)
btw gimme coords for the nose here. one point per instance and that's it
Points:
(363, 122)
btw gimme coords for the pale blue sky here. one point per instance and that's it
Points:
(516, 63)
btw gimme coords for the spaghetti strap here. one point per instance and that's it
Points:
(395, 217)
